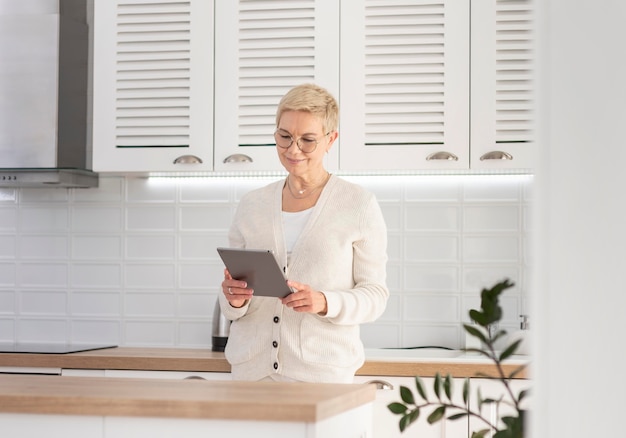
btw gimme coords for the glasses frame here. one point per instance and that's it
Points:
(297, 141)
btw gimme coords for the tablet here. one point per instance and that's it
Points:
(257, 267)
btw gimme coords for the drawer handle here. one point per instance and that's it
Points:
(496, 155)
(442, 155)
(194, 378)
(381, 384)
(188, 159)
(238, 158)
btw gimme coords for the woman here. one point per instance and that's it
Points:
(331, 239)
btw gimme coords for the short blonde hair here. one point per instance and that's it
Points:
(313, 99)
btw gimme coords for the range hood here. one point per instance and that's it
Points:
(44, 52)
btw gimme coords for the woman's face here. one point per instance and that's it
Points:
(303, 125)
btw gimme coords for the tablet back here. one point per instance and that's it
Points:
(258, 268)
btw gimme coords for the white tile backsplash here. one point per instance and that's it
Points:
(133, 262)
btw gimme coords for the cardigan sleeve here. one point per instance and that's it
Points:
(367, 300)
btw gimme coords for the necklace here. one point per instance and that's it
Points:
(302, 192)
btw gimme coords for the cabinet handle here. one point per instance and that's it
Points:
(194, 378)
(496, 155)
(188, 159)
(238, 158)
(442, 155)
(380, 384)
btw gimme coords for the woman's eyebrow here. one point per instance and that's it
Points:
(303, 134)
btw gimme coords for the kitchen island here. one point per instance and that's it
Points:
(85, 407)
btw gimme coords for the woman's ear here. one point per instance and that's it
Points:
(332, 136)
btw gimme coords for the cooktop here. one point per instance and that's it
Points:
(50, 348)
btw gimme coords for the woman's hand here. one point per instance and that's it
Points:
(235, 291)
(305, 299)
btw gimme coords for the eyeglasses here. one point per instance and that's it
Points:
(306, 144)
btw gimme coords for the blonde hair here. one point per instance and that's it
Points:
(313, 99)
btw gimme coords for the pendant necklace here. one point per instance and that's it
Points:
(310, 191)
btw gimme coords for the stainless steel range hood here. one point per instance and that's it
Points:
(44, 48)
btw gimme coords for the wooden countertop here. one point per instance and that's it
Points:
(265, 401)
(190, 359)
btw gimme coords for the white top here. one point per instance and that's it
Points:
(293, 224)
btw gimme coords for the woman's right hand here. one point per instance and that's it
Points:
(235, 291)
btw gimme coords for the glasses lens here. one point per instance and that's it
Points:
(307, 145)
(282, 140)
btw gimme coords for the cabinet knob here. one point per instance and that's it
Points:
(496, 155)
(188, 159)
(380, 384)
(238, 158)
(442, 155)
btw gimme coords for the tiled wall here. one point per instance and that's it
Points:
(133, 262)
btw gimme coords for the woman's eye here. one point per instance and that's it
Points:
(308, 140)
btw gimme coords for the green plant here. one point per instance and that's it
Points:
(444, 407)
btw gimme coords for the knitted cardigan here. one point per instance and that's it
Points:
(342, 251)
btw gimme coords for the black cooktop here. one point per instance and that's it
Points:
(50, 348)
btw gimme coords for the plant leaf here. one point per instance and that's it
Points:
(397, 408)
(436, 415)
(516, 371)
(437, 385)
(498, 335)
(510, 350)
(466, 389)
(480, 433)
(414, 414)
(458, 416)
(474, 331)
(491, 310)
(447, 386)
(406, 395)
(514, 428)
(419, 385)
(522, 394)
(405, 422)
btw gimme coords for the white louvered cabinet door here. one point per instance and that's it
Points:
(405, 85)
(262, 49)
(502, 71)
(153, 85)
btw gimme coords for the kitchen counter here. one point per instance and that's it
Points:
(261, 401)
(379, 362)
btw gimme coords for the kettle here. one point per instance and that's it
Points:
(221, 328)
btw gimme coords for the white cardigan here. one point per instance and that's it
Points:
(342, 252)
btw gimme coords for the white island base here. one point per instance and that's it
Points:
(355, 423)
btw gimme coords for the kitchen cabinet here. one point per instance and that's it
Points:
(153, 86)
(261, 51)
(422, 85)
(386, 423)
(441, 85)
(388, 391)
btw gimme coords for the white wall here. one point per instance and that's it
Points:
(133, 262)
(580, 296)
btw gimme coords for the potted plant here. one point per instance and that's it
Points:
(485, 329)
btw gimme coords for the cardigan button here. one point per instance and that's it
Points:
(276, 319)
(275, 365)
(274, 344)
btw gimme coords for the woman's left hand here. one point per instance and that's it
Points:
(305, 299)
